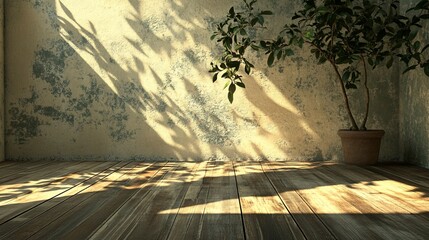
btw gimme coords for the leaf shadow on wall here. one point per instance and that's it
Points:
(102, 102)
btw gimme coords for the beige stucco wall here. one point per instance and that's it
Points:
(414, 108)
(108, 79)
(2, 154)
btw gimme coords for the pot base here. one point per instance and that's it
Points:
(361, 147)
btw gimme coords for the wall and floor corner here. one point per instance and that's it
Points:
(108, 80)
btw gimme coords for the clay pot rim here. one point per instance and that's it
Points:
(372, 133)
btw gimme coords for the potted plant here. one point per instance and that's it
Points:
(352, 36)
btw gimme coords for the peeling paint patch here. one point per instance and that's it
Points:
(78, 107)
(49, 66)
(23, 126)
(54, 114)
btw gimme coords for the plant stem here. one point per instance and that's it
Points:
(346, 98)
(363, 126)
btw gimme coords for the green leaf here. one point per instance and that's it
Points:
(390, 29)
(409, 68)
(389, 62)
(266, 13)
(426, 69)
(247, 69)
(232, 88)
(215, 77)
(230, 97)
(240, 84)
(350, 85)
(270, 60)
(279, 54)
(346, 76)
(227, 42)
(231, 92)
(296, 16)
(289, 52)
(424, 48)
(416, 45)
(227, 84)
(253, 21)
(232, 12)
(322, 59)
(254, 47)
(261, 20)
(234, 64)
(424, 16)
(412, 35)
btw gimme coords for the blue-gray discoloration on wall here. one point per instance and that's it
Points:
(49, 66)
(114, 80)
(54, 114)
(76, 108)
(22, 126)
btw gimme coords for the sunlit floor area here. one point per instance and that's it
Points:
(212, 200)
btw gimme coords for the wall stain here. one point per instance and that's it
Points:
(22, 126)
(49, 66)
(54, 114)
(77, 107)
(214, 127)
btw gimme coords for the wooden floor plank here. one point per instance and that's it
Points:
(264, 215)
(390, 218)
(8, 167)
(141, 215)
(337, 214)
(405, 170)
(5, 164)
(135, 180)
(211, 200)
(347, 213)
(38, 189)
(307, 220)
(35, 225)
(107, 196)
(408, 175)
(20, 197)
(38, 176)
(35, 213)
(408, 197)
(23, 170)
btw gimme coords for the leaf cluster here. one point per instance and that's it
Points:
(345, 33)
(235, 35)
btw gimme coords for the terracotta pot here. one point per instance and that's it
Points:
(361, 147)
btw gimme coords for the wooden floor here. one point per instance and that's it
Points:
(212, 200)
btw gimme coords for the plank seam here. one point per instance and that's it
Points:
(239, 202)
(183, 200)
(292, 215)
(120, 207)
(42, 202)
(126, 163)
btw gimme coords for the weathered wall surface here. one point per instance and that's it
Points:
(2, 154)
(107, 79)
(414, 108)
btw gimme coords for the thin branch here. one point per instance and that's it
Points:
(365, 119)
